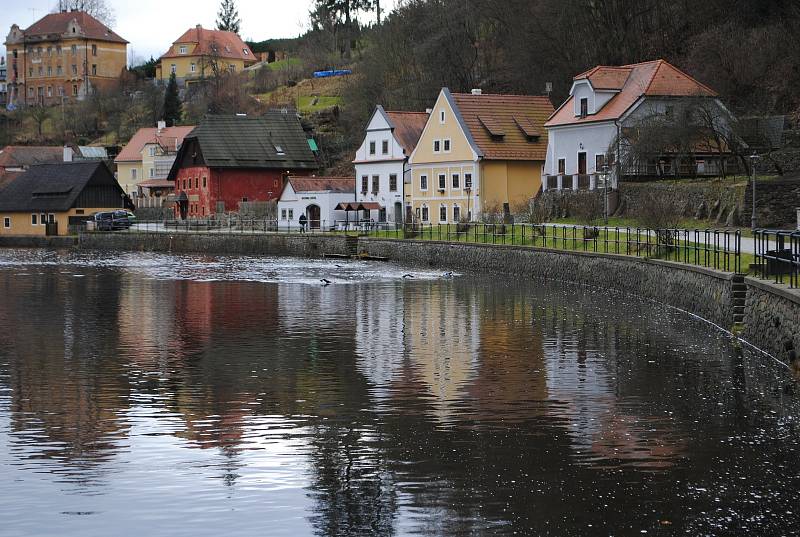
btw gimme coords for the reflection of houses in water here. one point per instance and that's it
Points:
(314, 307)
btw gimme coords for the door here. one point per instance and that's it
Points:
(581, 163)
(398, 213)
(313, 214)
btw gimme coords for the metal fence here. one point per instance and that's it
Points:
(711, 248)
(777, 256)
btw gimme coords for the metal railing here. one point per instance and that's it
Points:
(777, 256)
(717, 249)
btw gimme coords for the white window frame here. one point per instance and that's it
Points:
(193, 67)
(455, 181)
(442, 117)
(152, 150)
(447, 145)
(152, 173)
(42, 219)
(373, 148)
(283, 214)
(376, 184)
(426, 213)
(468, 175)
(291, 215)
(558, 167)
(384, 147)
(51, 218)
(7, 222)
(364, 184)
(133, 174)
(456, 217)
(173, 69)
(182, 49)
(437, 146)
(423, 182)
(393, 176)
(442, 184)
(34, 219)
(443, 208)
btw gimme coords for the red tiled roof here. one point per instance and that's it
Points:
(58, 23)
(228, 45)
(156, 183)
(167, 138)
(16, 156)
(652, 79)
(408, 128)
(509, 117)
(343, 185)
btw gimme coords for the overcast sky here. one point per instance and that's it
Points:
(152, 25)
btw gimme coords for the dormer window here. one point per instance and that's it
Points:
(584, 107)
(246, 52)
(182, 49)
(279, 150)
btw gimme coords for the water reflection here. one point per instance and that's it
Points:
(374, 406)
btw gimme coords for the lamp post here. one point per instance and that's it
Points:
(753, 159)
(604, 172)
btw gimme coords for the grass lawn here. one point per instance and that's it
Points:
(285, 64)
(307, 104)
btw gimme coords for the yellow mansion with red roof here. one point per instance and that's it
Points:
(201, 53)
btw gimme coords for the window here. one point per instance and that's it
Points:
(599, 162)
(385, 147)
(152, 173)
(244, 200)
(41, 71)
(447, 146)
(441, 116)
(468, 181)
(364, 184)
(74, 69)
(393, 182)
(283, 214)
(443, 214)
(456, 213)
(192, 67)
(246, 52)
(376, 183)
(30, 72)
(49, 70)
(74, 90)
(197, 182)
(456, 181)
(562, 166)
(442, 181)
(173, 69)
(372, 148)
(7, 222)
(425, 213)
(205, 183)
(94, 70)
(152, 150)
(279, 150)
(74, 49)
(182, 49)
(94, 50)
(49, 51)
(58, 50)
(423, 182)
(43, 219)
(669, 112)
(291, 214)
(584, 107)
(232, 68)
(59, 70)
(133, 173)
(30, 92)
(60, 91)
(437, 146)
(184, 184)
(51, 218)
(33, 220)
(49, 91)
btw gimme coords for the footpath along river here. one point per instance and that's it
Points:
(153, 394)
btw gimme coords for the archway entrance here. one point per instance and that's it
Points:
(313, 214)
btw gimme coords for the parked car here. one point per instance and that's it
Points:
(126, 214)
(111, 221)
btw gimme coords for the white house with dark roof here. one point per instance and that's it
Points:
(605, 101)
(381, 163)
(319, 199)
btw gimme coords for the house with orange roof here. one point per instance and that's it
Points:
(605, 104)
(381, 163)
(478, 154)
(200, 53)
(322, 200)
(68, 54)
(145, 161)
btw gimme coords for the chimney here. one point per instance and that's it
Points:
(477, 92)
(429, 111)
(199, 26)
(161, 126)
(68, 153)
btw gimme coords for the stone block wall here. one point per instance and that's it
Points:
(772, 318)
(720, 201)
(776, 203)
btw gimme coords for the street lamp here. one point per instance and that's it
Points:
(753, 159)
(604, 171)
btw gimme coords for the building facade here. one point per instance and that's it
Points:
(230, 160)
(53, 199)
(478, 154)
(145, 161)
(200, 53)
(381, 163)
(318, 198)
(62, 55)
(587, 133)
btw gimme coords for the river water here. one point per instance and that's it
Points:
(149, 394)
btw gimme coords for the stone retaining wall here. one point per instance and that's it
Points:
(704, 292)
(776, 203)
(772, 318)
(217, 243)
(33, 241)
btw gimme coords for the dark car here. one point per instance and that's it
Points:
(111, 221)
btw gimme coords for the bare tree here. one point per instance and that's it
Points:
(99, 9)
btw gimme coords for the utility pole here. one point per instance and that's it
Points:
(753, 160)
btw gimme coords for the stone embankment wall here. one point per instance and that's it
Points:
(32, 241)
(719, 201)
(771, 315)
(220, 243)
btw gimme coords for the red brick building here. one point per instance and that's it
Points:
(228, 160)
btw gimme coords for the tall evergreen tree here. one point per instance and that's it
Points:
(172, 103)
(228, 17)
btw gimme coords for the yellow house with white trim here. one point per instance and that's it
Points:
(478, 154)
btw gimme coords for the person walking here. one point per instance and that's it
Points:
(303, 220)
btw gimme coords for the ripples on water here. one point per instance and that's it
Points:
(199, 395)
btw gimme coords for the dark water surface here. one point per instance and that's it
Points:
(161, 395)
